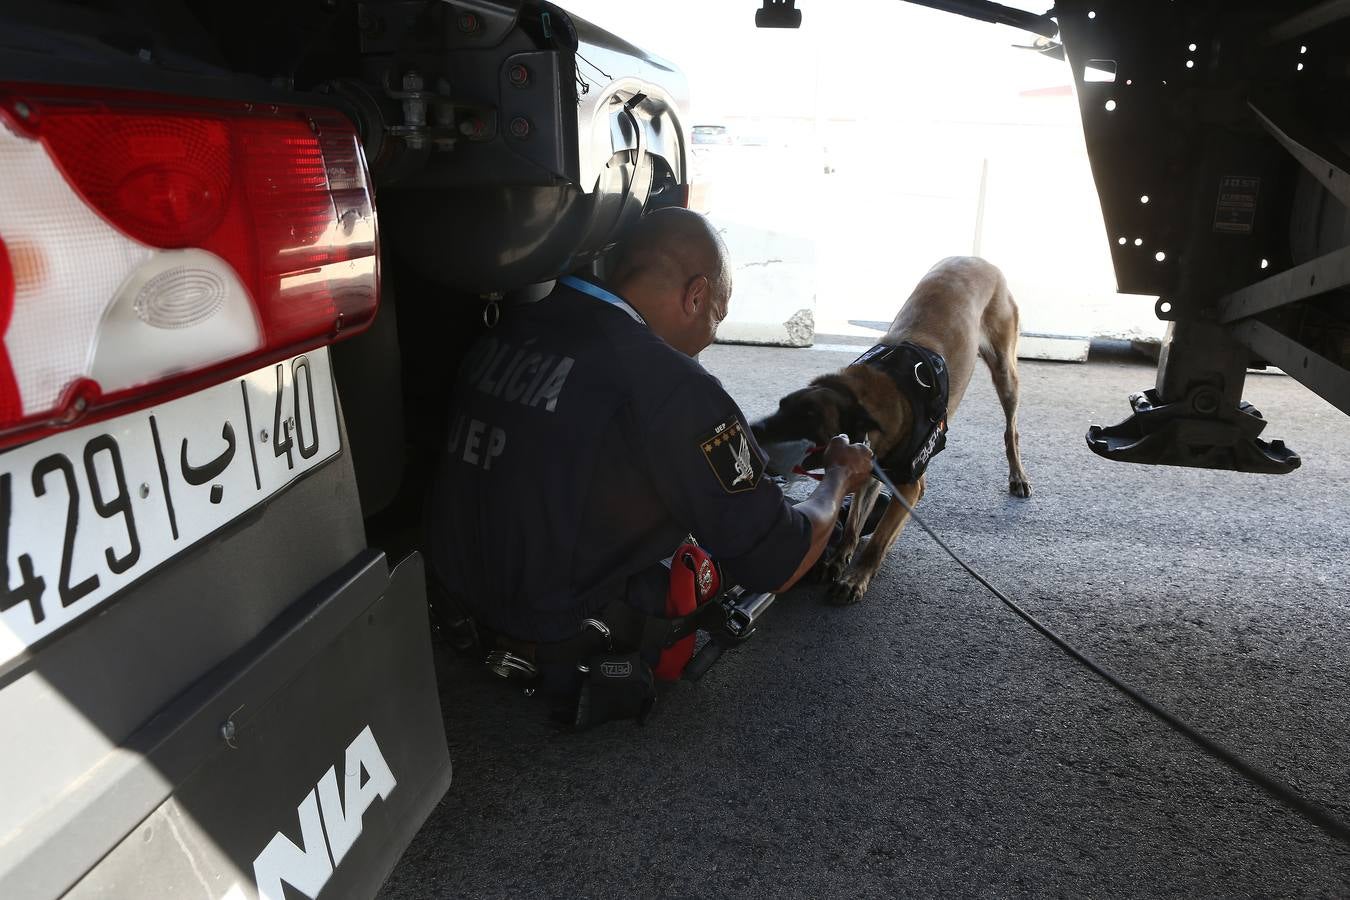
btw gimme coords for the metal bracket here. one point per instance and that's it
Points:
(1321, 158)
(1326, 273)
(1195, 432)
(1309, 20)
(1326, 377)
(479, 23)
(1332, 169)
(778, 14)
(996, 14)
(432, 119)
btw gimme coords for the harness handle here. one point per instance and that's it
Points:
(800, 468)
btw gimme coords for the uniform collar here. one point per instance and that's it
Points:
(599, 293)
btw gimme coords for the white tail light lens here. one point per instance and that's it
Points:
(179, 310)
(151, 245)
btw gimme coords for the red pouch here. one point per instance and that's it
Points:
(693, 581)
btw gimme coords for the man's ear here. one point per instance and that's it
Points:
(697, 294)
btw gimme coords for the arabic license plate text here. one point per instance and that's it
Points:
(86, 512)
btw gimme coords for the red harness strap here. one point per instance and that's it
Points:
(694, 580)
(810, 473)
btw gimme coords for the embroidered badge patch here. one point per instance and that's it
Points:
(734, 461)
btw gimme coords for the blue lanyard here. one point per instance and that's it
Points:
(599, 293)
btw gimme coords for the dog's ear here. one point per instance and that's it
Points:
(836, 383)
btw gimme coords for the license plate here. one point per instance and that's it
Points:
(86, 512)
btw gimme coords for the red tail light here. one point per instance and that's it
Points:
(9, 392)
(150, 245)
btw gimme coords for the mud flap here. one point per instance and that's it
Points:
(309, 759)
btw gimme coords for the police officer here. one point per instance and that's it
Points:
(587, 442)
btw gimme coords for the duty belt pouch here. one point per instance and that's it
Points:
(617, 686)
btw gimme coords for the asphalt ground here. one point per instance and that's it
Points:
(927, 743)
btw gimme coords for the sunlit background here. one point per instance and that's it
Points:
(865, 146)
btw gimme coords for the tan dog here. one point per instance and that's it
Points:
(961, 309)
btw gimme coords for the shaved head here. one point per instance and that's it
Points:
(674, 268)
(675, 245)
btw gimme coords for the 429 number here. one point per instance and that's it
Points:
(51, 473)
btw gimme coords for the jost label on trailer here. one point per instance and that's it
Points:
(86, 512)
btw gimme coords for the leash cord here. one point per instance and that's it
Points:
(1273, 786)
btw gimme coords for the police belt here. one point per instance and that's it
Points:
(921, 376)
(619, 627)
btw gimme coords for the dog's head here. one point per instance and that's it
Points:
(816, 413)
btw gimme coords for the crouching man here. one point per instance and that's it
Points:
(586, 443)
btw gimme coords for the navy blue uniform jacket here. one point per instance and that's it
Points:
(582, 450)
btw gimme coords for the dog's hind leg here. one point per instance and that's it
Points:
(852, 585)
(858, 511)
(999, 352)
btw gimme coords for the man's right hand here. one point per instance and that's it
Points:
(854, 460)
(847, 468)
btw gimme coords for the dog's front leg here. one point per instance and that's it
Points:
(852, 585)
(858, 511)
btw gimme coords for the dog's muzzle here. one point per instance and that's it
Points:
(787, 459)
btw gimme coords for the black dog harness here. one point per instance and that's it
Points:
(921, 375)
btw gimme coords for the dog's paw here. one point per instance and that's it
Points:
(836, 565)
(1019, 486)
(848, 588)
(821, 572)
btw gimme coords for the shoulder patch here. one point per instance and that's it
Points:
(732, 458)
